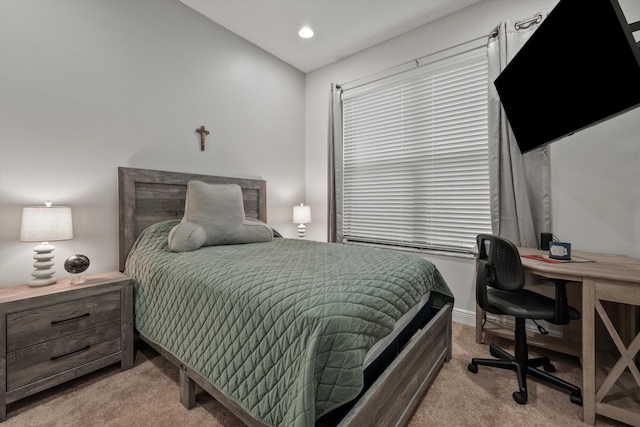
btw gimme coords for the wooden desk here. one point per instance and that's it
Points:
(610, 278)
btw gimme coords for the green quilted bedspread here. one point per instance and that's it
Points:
(281, 328)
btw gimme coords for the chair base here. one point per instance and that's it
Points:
(523, 366)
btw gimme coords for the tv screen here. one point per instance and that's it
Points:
(580, 67)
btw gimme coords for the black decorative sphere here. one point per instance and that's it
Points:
(76, 264)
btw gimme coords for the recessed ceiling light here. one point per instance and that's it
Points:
(306, 33)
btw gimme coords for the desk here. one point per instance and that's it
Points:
(610, 278)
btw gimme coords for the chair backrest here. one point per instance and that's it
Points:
(498, 266)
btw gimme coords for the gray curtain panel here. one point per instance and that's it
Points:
(519, 184)
(334, 232)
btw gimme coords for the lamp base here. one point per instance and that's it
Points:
(37, 283)
(43, 274)
(301, 231)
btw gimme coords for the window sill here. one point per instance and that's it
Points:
(452, 254)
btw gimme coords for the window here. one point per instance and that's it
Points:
(415, 157)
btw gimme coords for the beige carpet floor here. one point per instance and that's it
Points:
(148, 395)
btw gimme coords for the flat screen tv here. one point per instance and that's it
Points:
(579, 68)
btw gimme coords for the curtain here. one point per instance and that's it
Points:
(335, 169)
(519, 184)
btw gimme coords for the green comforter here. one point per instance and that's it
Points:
(282, 328)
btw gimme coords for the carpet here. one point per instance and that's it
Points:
(148, 395)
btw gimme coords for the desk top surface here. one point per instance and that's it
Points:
(611, 267)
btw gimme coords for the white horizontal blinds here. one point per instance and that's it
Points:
(415, 157)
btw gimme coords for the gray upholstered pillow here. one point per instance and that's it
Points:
(186, 237)
(219, 210)
(255, 231)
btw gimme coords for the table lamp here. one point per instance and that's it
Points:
(302, 216)
(45, 224)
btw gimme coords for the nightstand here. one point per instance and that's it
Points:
(56, 333)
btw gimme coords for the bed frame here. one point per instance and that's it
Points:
(149, 196)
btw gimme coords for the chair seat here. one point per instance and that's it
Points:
(525, 304)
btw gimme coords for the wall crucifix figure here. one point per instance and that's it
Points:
(203, 134)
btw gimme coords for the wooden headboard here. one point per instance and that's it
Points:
(149, 196)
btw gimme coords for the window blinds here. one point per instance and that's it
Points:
(415, 161)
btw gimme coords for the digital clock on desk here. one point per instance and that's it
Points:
(560, 250)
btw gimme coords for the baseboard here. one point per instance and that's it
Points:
(467, 317)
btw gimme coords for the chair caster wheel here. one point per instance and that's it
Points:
(549, 368)
(473, 368)
(493, 353)
(520, 397)
(576, 398)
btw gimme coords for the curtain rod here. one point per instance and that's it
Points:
(414, 63)
(526, 23)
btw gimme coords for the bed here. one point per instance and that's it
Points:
(324, 374)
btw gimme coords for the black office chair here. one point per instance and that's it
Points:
(500, 268)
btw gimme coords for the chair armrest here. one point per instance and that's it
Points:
(562, 305)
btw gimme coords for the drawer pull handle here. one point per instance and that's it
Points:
(69, 354)
(55, 322)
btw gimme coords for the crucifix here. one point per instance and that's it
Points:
(203, 134)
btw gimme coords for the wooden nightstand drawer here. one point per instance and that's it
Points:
(44, 360)
(42, 324)
(52, 334)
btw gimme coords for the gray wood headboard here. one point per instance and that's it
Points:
(149, 196)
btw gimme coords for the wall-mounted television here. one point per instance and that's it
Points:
(579, 68)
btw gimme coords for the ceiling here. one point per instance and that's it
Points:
(342, 27)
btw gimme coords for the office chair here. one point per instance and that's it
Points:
(500, 268)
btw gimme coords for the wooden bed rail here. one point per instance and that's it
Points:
(390, 401)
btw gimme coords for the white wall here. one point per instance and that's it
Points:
(595, 173)
(595, 186)
(87, 86)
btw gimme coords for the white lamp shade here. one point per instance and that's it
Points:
(46, 224)
(302, 214)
